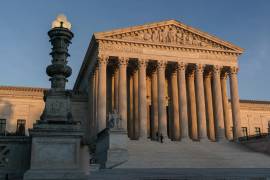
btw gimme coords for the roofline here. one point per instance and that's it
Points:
(254, 101)
(85, 62)
(171, 21)
(23, 88)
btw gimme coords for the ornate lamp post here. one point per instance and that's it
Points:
(60, 38)
(56, 138)
(57, 108)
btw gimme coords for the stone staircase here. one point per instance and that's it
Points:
(190, 154)
(189, 160)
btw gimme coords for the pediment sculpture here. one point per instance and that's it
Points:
(169, 35)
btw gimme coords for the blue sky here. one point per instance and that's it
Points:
(24, 46)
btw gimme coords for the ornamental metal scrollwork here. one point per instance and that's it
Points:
(4, 152)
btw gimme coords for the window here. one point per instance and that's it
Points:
(20, 130)
(257, 131)
(244, 131)
(3, 124)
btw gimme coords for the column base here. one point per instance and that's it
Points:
(205, 140)
(186, 140)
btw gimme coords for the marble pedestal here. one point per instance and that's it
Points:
(55, 153)
(118, 152)
(111, 150)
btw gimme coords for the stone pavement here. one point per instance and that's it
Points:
(182, 174)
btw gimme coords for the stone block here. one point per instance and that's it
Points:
(56, 154)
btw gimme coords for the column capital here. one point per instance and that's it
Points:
(234, 70)
(102, 60)
(208, 73)
(142, 63)
(152, 68)
(123, 61)
(224, 75)
(216, 69)
(161, 64)
(174, 73)
(199, 68)
(154, 72)
(181, 66)
(190, 71)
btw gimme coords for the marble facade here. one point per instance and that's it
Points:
(172, 71)
(164, 77)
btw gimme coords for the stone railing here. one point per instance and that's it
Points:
(14, 156)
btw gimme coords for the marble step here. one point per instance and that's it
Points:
(182, 174)
(189, 154)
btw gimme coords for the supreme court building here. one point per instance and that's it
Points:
(158, 96)
(162, 78)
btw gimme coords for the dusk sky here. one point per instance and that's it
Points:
(24, 46)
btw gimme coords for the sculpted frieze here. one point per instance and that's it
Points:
(114, 49)
(119, 48)
(169, 35)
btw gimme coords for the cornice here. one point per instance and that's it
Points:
(21, 88)
(35, 93)
(141, 44)
(91, 48)
(22, 92)
(252, 101)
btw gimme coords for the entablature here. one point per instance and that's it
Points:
(167, 54)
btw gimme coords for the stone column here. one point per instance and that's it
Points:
(183, 100)
(218, 109)
(235, 103)
(123, 91)
(209, 106)
(169, 104)
(154, 96)
(175, 103)
(200, 102)
(91, 95)
(136, 124)
(116, 91)
(148, 95)
(96, 101)
(192, 105)
(162, 115)
(142, 98)
(131, 109)
(109, 108)
(101, 107)
(226, 111)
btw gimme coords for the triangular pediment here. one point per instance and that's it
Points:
(171, 33)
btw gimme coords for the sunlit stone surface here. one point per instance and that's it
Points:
(140, 86)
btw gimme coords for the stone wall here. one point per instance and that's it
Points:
(20, 103)
(255, 114)
(27, 103)
(14, 156)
